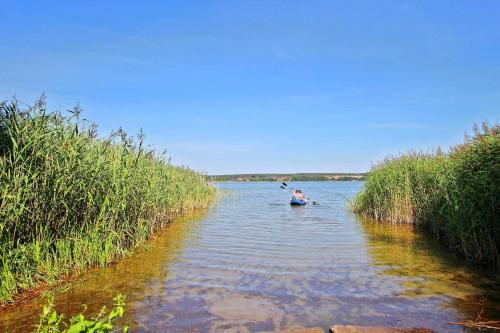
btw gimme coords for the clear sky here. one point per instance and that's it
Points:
(262, 86)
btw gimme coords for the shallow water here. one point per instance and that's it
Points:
(253, 263)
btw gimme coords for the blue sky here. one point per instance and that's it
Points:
(262, 86)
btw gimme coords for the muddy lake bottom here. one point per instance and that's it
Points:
(254, 263)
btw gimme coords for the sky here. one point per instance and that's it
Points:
(262, 86)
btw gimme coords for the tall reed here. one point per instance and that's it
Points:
(456, 195)
(70, 199)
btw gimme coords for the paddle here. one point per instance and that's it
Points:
(284, 187)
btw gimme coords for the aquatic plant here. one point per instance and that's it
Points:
(70, 199)
(456, 196)
(51, 322)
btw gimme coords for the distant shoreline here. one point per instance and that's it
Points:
(273, 177)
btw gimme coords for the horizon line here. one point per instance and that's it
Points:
(289, 173)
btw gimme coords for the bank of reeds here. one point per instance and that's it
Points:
(454, 195)
(70, 199)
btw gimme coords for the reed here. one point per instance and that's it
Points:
(70, 199)
(455, 196)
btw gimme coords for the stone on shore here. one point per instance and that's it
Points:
(374, 329)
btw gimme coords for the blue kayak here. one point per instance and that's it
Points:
(297, 202)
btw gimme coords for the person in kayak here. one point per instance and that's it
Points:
(298, 195)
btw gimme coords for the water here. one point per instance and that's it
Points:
(253, 263)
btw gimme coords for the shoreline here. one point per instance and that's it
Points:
(289, 177)
(64, 280)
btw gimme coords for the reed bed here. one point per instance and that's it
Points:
(70, 199)
(454, 195)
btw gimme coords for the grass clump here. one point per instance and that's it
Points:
(456, 196)
(70, 199)
(51, 322)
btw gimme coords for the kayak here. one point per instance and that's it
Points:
(297, 202)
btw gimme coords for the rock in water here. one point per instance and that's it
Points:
(373, 329)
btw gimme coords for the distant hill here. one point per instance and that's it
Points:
(272, 177)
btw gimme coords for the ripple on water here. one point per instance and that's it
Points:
(253, 263)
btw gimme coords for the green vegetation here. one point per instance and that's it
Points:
(456, 196)
(273, 177)
(69, 199)
(51, 322)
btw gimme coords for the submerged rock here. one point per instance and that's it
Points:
(305, 330)
(378, 329)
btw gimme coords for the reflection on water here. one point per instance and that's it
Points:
(425, 270)
(253, 263)
(137, 277)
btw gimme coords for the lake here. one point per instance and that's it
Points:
(254, 263)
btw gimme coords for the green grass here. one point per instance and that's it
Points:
(455, 196)
(52, 322)
(70, 200)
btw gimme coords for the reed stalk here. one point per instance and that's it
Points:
(455, 196)
(70, 199)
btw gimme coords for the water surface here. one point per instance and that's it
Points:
(253, 263)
